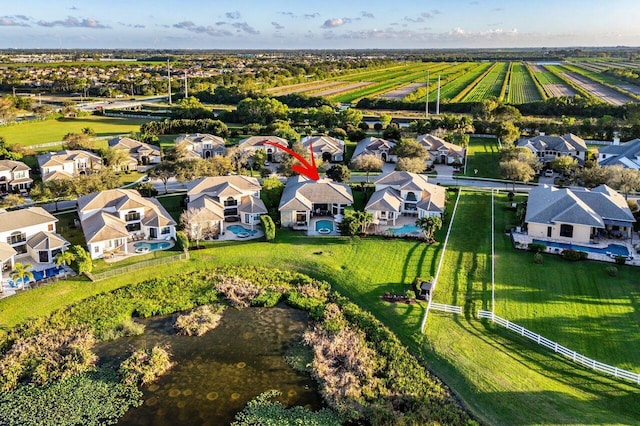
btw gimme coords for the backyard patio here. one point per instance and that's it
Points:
(44, 273)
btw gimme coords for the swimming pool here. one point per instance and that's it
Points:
(324, 226)
(146, 247)
(405, 230)
(241, 230)
(615, 249)
(38, 276)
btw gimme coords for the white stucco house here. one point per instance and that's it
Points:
(254, 143)
(202, 145)
(441, 151)
(378, 147)
(67, 164)
(548, 148)
(109, 218)
(29, 231)
(139, 153)
(14, 175)
(405, 194)
(325, 148)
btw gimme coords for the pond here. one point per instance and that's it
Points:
(215, 375)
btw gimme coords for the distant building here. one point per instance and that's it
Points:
(441, 151)
(381, 148)
(548, 148)
(14, 175)
(203, 145)
(255, 143)
(627, 155)
(140, 153)
(326, 148)
(68, 164)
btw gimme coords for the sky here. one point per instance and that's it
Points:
(326, 24)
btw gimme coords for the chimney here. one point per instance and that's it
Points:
(616, 140)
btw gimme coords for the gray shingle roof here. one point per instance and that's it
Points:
(627, 154)
(372, 145)
(301, 193)
(563, 144)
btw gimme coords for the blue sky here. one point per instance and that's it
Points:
(344, 24)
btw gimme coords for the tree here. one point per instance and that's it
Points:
(507, 132)
(239, 157)
(163, 171)
(83, 261)
(261, 110)
(271, 192)
(220, 165)
(258, 159)
(115, 158)
(350, 116)
(564, 164)
(12, 200)
(363, 218)
(429, 225)
(182, 241)
(8, 152)
(339, 173)
(367, 163)
(463, 140)
(20, 272)
(412, 165)
(624, 179)
(385, 120)
(287, 161)
(7, 109)
(410, 149)
(76, 141)
(392, 133)
(193, 228)
(516, 170)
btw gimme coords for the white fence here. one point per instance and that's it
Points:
(452, 309)
(573, 355)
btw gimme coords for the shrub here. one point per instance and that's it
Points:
(620, 260)
(182, 241)
(267, 299)
(199, 321)
(238, 291)
(537, 247)
(612, 271)
(537, 258)
(127, 327)
(574, 255)
(144, 366)
(268, 227)
(82, 263)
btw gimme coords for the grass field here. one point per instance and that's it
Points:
(490, 85)
(502, 378)
(38, 132)
(483, 155)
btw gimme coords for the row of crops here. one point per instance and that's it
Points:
(512, 82)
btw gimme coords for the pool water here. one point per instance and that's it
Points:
(324, 224)
(237, 229)
(40, 275)
(615, 249)
(152, 246)
(405, 230)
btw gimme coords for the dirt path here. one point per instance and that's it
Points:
(302, 87)
(557, 90)
(401, 92)
(343, 89)
(598, 90)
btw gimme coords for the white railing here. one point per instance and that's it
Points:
(452, 309)
(573, 355)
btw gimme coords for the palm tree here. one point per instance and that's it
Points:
(429, 225)
(20, 272)
(364, 219)
(64, 258)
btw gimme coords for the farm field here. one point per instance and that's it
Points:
(522, 89)
(38, 132)
(598, 90)
(403, 91)
(490, 85)
(605, 79)
(552, 84)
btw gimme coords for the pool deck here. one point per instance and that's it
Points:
(7, 290)
(131, 250)
(523, 240)
(400, 222)
(312, 227)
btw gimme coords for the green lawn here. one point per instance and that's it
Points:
(483, 154)
(501, 377)
(38, 132)
(173, 204)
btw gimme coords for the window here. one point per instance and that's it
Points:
(17, 237)
(411, 196)
(230, 202)
(131, 216)
(166, 230)
(549, 230)
(566, 230)
(96, 249)
(50, 227)
(131, 227)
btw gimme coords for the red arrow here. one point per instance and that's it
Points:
(306, 169)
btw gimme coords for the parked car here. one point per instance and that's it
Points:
(548, 173)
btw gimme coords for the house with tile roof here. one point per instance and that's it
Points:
(405, 194)
(202, 145)
(577, 216)
(29, 231)
(627, 155)
(378, 147)
(325, 148)
(109, 218)
(14, 175)
(216, 199)
(67, 164)
(254, 143)
(441, 151)
(139, 153)
(303, 199)
(548, 148)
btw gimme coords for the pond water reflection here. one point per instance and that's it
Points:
(218, 373)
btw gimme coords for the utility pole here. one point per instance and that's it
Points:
(169, 74)
(426, 107)
(186, 85)
(438, 98)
